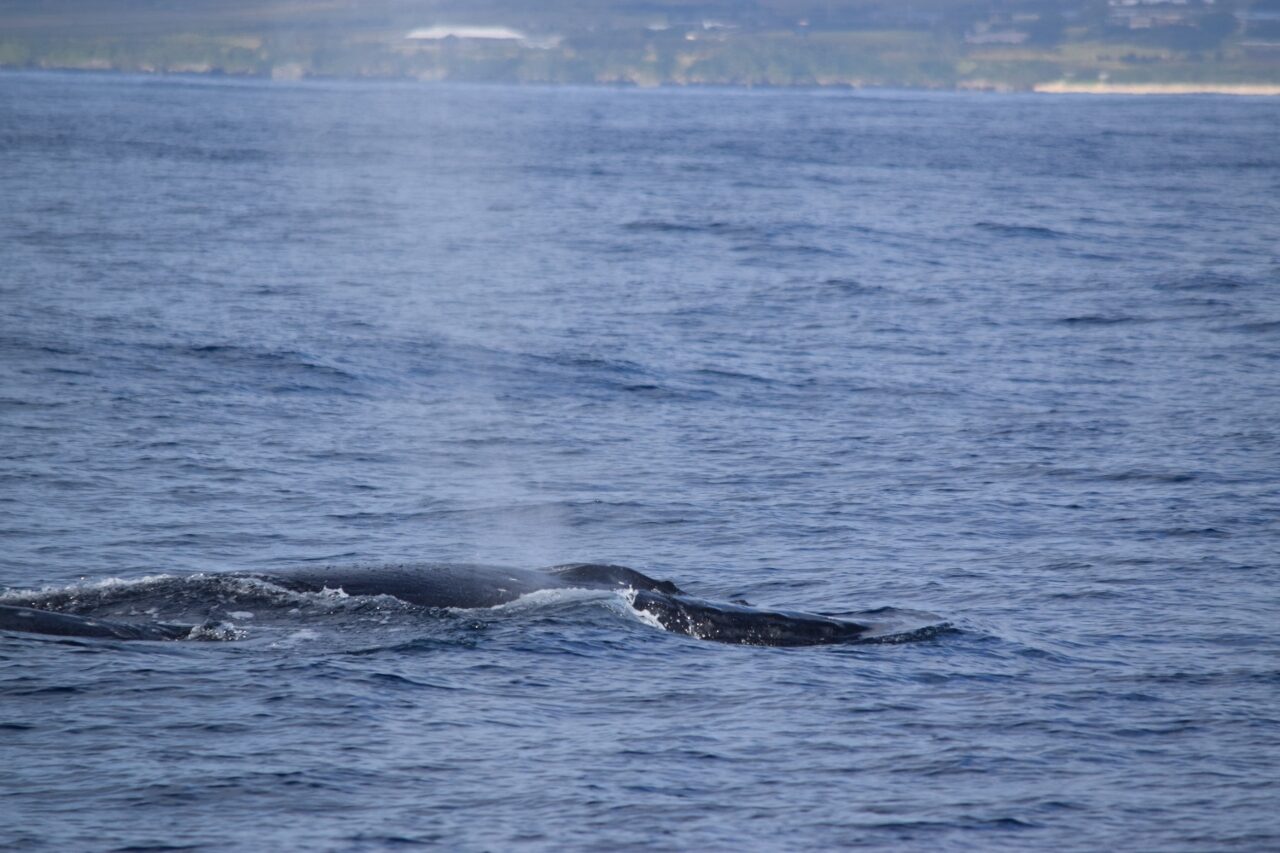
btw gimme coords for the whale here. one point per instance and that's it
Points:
(471, 586)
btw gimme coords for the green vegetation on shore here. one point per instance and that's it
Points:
(985, 44)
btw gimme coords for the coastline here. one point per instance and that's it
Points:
(1246, 89)
(1058, 87)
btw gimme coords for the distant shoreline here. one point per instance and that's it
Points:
(1249, 89)
(1060, 87)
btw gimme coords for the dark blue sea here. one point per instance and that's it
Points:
(1008, 362)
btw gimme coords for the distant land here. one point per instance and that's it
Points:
(1135, 46)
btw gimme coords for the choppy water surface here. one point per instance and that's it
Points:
(1012, 362)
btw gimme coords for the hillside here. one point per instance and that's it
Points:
(996, 44)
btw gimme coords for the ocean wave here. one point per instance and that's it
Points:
(1004, 229)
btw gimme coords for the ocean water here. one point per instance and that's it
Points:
(1010, 362)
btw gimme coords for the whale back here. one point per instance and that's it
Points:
(731, 623)
(32, 621)
(609, 576)
(469, 586)
(426, 584)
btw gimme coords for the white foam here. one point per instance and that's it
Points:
(306, 635)
(84, 586)
(648, 618)
(220, 632)
(628, 597)
(546, 598)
